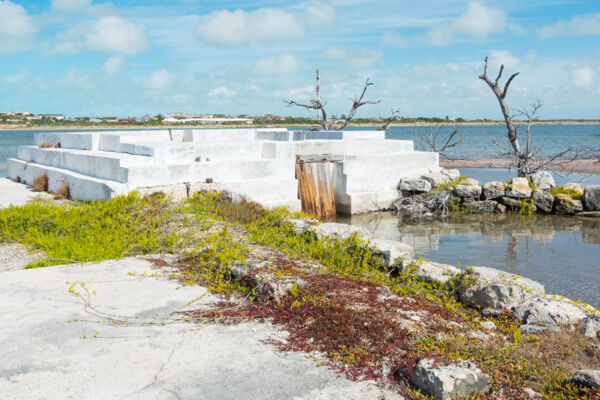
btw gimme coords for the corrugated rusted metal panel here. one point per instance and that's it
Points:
(315, 187)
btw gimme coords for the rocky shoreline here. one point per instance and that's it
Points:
(447, 191)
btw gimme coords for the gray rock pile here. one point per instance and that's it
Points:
(439, 192)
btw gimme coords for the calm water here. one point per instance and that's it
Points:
(561, 252)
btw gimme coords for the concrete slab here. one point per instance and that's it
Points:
(17, 194)
(116, 338)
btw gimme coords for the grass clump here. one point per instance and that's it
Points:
(94, 231)
(567, 191)
(40, 183)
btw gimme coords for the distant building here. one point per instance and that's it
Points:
(56, 117)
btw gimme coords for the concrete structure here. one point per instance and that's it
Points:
(258, 164)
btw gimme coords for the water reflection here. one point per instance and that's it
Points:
(562, 252)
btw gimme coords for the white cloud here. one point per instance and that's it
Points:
(16, 28)
(113, 64)
(115, 35)
(503, 57)
(159, 80)
(239, 27)
(16, 78)
(320, 17)
(69, 6)
(360, 59)
(477, 23)
(284, 64)
(579, 25)
(583, 77)
(222, 91)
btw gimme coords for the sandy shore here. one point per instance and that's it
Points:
(587, 166)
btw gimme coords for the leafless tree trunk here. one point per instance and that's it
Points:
(318, 105)
(501, 96)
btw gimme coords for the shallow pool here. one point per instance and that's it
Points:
(562, 252)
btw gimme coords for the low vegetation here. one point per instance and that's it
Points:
(343, 308)
(567, 191)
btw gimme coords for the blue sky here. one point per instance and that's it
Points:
(129, 58)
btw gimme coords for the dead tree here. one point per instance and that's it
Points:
(318, 105)
(386, 124)
(435, 141)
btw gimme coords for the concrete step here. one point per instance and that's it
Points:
(98, 164)
(255, 190)
(81, 187)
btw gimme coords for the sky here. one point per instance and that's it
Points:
(134, 57)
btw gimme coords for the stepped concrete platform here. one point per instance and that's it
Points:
(258, 164)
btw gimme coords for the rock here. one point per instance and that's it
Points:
(532, 394)
(542, 180)
(480, 206)
(339, 231)
(592, 350)
(519, 188)
(543, 200)
(575, 186)
(436, 179)
(298, 225)
(511, 204)
(447, 382)
(453, 174)
(390, 251)
(415, 185)
(532, 329)
(500, 208)
(470, 182)
(565, 204)
(590, 326)
(549, 312)
(465, 191)
(587, 377)
(488, 325)
(498, 290)
(591, 197)
(493, 190)
(435, 272)
(273, 288)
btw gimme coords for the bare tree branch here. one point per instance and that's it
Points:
(318, 105)
(436, 141)
(388, 121)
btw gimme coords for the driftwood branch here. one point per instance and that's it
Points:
(435, 140)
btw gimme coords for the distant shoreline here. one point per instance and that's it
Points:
(212, 126)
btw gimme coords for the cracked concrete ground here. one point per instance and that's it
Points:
(115, 337)
(17, 194)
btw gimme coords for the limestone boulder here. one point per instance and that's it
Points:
(339, 231)
(542, 180)
(480, 206)
(453, 174)
(493, 190)
(587, 377)
(591, 197)
(575, 186)
(549, 312)
(495, 289)
(446, 382)
(543, 200)
(590, 326)
(565, 204)
(414, 185)
(436, 179)
(467, 191)
(519, 189)
(429, 271)
(391, 251)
